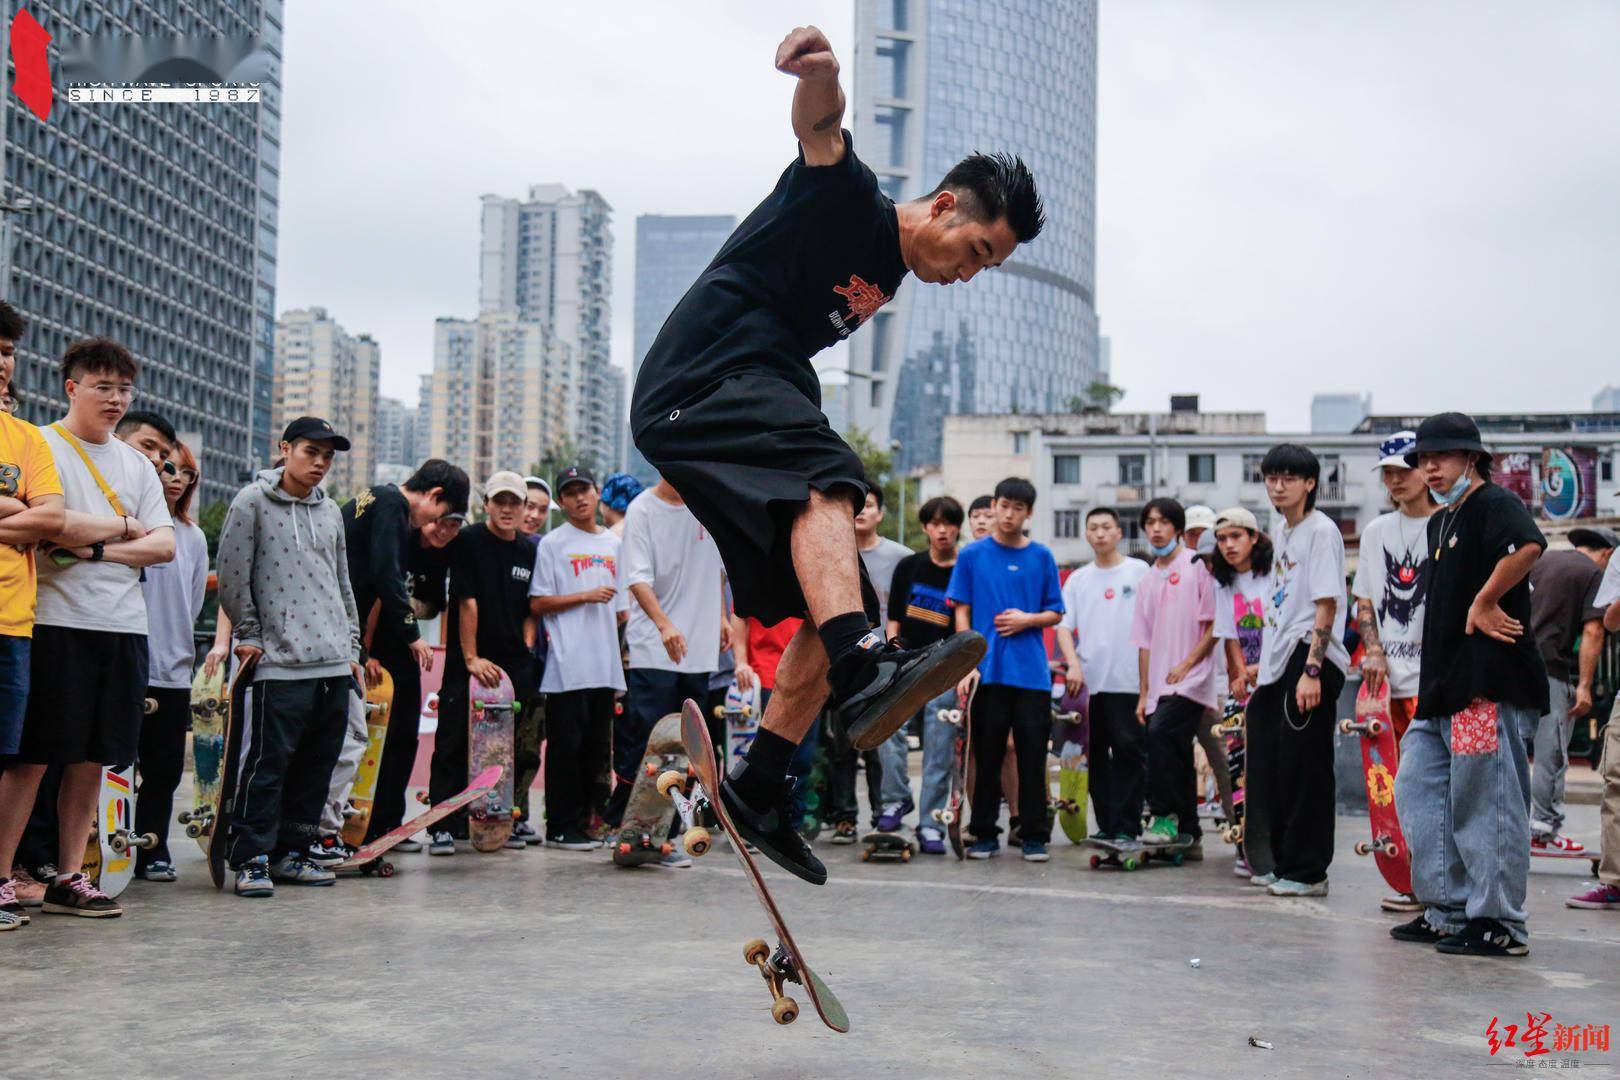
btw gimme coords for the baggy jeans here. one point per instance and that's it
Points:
(1548, 738)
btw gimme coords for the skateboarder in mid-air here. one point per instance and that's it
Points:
(727, 408)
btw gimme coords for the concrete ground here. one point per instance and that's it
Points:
(542, 963)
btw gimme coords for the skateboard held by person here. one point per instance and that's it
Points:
(490, 713)
(1071, 740)
(362, 795)
(209, 707)
(1380, 758)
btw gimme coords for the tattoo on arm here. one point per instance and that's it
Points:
(1319, 644)
(1367, 626)
(830, 120)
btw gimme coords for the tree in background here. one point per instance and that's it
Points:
(880, 471)
(1100, 396)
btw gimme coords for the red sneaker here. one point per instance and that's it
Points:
(1562, 844)
(1598, 898)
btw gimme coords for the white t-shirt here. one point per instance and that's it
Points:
(101, 596)
(1609, 588)
(665, 547)
(584, 639)
(880, 563)
(1240, 614)
(1309, 566)
(1097, 607)
(1393, 575)
(174, 593)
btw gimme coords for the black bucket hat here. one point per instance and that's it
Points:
(1447, 431)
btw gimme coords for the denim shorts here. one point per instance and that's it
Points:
(14, 661)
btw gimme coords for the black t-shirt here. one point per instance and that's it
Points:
(917, 600)
(805, 269)
(1563, 591)
(494, 573)
(377, 531)
(1464, 547)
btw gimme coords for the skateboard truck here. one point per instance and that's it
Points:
(695, 840)
(1361, 727)
(122, 840)
(1383, 845)
(776, 969)
(198, 822)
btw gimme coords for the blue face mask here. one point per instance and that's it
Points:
(1458, 490)
(1161, 552)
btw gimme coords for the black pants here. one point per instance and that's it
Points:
(651, 694)
(294, 734)
(841, 758)
(579, 726)
(998, 709)
(399, 745)
(161, 761)
(448, 775)
(1291, 771)
(1172, 779)
(1118, 764)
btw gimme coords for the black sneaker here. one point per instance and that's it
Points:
(1417, 930)
(572, 840)
(772, 831)
(844, 832)
(328, 852)
(877, 687)
(1482, 937)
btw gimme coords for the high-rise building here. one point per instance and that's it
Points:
(498, 399)
(1335, 414)
(935, 80)
(422, 444)
(395, 432)
(671, 251)
(155, 226)
(549, 259)
(322, 370)
(1606, 399)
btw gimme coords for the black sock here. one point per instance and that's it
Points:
(768, 760)
(841, 633)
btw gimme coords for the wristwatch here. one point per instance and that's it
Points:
(97, 550)
(1314, 670)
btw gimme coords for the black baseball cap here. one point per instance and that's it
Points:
(1593, 537)
(313, 427)
(572, 475)
(1446, 431)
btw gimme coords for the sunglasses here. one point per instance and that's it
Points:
(169, 468)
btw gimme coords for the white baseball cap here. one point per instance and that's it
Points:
(1239, 516)
(1200, 517)
(505, 481)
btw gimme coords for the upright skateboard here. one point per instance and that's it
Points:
(1247, 829)
(210, 706)
(1131, 854)
(235, 725)
(114, 841)
(490, 711)
(741, 714)
(369, 859)
(1071, 741)
(786, 963)
(956, 804)
(1380, 758)
(644, 831)
(379, 703)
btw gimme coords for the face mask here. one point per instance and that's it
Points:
(1458, 490)
(1161, 552)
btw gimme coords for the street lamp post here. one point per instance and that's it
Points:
(898, 450)
(21, 206)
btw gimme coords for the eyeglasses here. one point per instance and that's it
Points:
(109, 391)
(189, 475)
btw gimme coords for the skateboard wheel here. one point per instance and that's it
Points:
(385, 869)
(665, 848)
(1362, 847)
(696, 841)
(1129, 863)
(1345, 727)
(947, 817)
(194, 831)
(905, 855)
(785, 1010)
(1375, 727)
(668, 781)
(624, 848)
(755, 951)
(866, 856)
(1096, 861)
(118, 844)
(147, 841)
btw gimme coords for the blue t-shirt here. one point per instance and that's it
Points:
(992, 577)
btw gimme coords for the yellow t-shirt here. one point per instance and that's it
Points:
(27, 471)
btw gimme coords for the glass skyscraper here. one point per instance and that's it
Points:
(935, 80)
(154, 225)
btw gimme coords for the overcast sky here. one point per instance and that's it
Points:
(1417, 200)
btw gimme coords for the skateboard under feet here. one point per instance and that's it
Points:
(1133, 854)
(883, 846)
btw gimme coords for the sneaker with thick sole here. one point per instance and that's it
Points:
(294, 868)
(328, 851)
(984, 849)
(1418, 931)
(930, 841)
(843, 832)
(878, 685)
(1555, 844)
(1401, 902)
(410, 845)
(11, 908)
(1242, 869)
(10, 920)
(1599, 897)
(514, 842)
(1035, 851)
(1161, 829)
(1482, 937)
(157, 870)
(528, 834)
(572, 840)
(1263, 880)
(1286, 888)
(253, 878)
(894, 815)
(442, 843)
(771, 830)
(77, 896)
(30, 891)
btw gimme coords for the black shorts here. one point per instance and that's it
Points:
(86, 696)
(745, 457)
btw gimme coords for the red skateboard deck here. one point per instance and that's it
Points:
(481, 786)
(1380, 757)
(786, 963)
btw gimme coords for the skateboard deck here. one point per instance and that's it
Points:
(1595, 858)
(1071, 741)
(644, 832)
(373, 852)
(209, 706)
(1380, 757)
(1131, 854)
(231, 764)
(114, 840)
(785, 964)
(956, 804)
(363, 793)
(490, 711)
(880, 846)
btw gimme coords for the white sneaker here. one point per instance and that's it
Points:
(413, 844)
(443, 844)
(1284, 887)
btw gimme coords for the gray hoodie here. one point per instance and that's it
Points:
(284, 581)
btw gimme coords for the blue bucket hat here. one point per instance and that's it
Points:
(619, 489)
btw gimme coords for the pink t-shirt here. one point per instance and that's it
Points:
(1174, 606)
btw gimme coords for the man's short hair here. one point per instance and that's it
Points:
(450, 479)
(942, 507)
(989, 187)
(981, 503)
(134, 421)
(1017, 489)
(98, 356)
(1169, 509)
(1292, 459)
(876, 492)
(12, 324)
(1102, 511)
